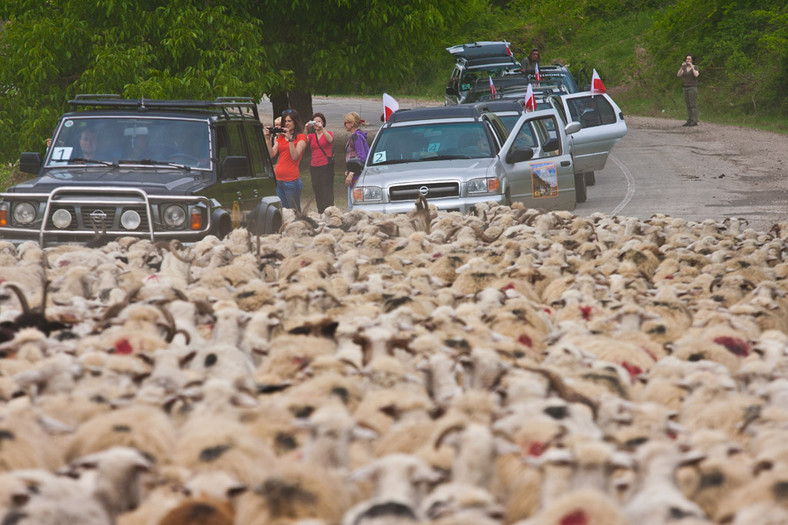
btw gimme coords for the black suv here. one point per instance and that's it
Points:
(158, 169)
(475, 64)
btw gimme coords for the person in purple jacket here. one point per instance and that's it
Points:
(357, 148)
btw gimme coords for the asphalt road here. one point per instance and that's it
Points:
(706, 172)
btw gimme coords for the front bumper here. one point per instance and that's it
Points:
(97, 211)
(461, 204)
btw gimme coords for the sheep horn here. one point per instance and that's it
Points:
(453, 428)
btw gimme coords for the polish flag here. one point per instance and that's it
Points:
(389, 106)
(530, 99)
(508, 51)
(493, 91)
(537, 74)
(596, 83)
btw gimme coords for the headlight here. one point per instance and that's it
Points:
(174, 216)
(61, 218)
(483, 185)
(24, 213)
(367, 194)
(130, 220)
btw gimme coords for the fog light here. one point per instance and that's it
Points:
(61, 218)
(24, 213)
(130, 220)
(174, 216)
(196, 219)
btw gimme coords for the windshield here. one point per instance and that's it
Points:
(433, 141)
(116, 140)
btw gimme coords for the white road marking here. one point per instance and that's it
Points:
(630, 185)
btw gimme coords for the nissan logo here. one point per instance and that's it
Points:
(98, 215)
(424, 190)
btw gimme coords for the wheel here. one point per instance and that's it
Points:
(507, 197)
(590, 177)
(580, 187)
(266, 218)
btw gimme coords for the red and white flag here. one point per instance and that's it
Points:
(537, 74)
(508, 51)
(493, 91)
(596, 83)
(389, 106)
(530, 99)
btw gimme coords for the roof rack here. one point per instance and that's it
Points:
(110, 100)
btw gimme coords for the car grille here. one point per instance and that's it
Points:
(84, 217)
(437, 190)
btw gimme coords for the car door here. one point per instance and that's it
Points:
(546, 179)
(602, 127)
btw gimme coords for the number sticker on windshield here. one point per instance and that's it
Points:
(61, 154)
(434, 147)
(544, 179)
(378, 157)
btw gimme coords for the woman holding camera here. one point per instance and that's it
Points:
(290, 147)
(688, 73)
(321, 167)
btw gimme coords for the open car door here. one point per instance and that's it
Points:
(602, 125)
(538, 166)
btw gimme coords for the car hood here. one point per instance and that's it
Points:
(152, 181)
(426, 170)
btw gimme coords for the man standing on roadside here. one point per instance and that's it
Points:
(688, 72)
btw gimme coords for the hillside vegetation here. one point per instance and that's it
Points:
(637, 46)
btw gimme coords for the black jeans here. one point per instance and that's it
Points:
(323, 186)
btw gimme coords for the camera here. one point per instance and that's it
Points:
(273, 130)
(312, 123)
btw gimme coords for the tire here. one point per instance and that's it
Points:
(507, 197)
(580, 187)
(223, 225)
(266, 218)
(590, 178)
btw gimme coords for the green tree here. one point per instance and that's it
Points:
(52, 50)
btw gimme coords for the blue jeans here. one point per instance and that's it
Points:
(289, 192)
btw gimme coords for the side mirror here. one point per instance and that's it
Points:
(519, 155)
(572, 127)
(355, 166)
(551, 145)
(235, 167)
(30, 162)
(452, 91)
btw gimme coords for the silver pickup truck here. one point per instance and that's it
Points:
(458, 156)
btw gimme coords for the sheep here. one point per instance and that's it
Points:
(397, 478)
(295, 491)
(113, 476)
(55, 500)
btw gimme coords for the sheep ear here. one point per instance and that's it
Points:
(236, 490)
(366, 473)
(54, 426)
(183, 361)
(363, 433)
(20, 499)
(692, 457)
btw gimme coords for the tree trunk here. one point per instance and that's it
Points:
(301, 101)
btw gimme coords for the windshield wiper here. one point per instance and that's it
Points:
(93, 161)
(394, 161)
(151, 162)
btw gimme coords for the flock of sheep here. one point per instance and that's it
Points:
(506, 366)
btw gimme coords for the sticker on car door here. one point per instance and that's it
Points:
(544, 179)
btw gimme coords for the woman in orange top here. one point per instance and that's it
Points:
(290, 146)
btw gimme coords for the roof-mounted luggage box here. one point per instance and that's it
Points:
(476, 50)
